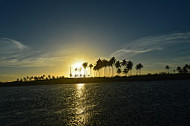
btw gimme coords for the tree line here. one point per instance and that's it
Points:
(36, 78)
(122, 66)
(184, 69)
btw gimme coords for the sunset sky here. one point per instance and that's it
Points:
(47, 36)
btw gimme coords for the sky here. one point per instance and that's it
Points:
(46, 36)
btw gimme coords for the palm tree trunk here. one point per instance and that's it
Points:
(112, 71)
(84, 72)
(90, 72)
(104, 71)
(109, 71)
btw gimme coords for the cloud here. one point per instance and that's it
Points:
(129, 53)
(11, 46)
(156, 43)
(14, 53)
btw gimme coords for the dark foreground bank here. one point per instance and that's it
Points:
(101, 79)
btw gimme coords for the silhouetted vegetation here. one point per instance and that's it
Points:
(62, 80)
(122, 67)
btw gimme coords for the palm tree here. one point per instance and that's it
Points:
(99, 65)
(43, 76)
(95, 69)
(118, 71)
(85, 64)
(112, 62)
(130, 66)
(76, 72)
(179, 69)
(80, 69)
(139, 67)
(125, 71)
(35, 78)
(109, 66)
(185, 69)
(117, 64)
(104, 64)
(124, 62)
(167, 68)
(90, 69)
(188, 67)
(31, 78)
(174, 71)
(24, 78)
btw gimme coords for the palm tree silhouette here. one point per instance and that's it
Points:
(167, 68)
(139, 67)
(174, 71)
(188, 67)
(118, 71)
(185, 69)
(117, 64)
(80, 69)
(125, 71)
(99, 65)
(124, 63)
(76, 72)
(112, 62)
(109, 66)
(104, 64)
(95, 69)
(179, 69)
(24, 78)
(85, 64)
(130, 66)
(90, 69)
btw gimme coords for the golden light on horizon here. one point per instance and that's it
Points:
(77, 65)
(77, 69)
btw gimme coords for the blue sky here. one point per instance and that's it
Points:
(46, 36)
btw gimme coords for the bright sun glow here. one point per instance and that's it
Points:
(77, 65)
(77, 69)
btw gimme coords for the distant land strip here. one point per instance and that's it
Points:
(183, 76)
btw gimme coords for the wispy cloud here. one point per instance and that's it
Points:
(14, 53)
(153, 43)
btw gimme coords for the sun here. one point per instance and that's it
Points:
(77, 65)
(77, 69)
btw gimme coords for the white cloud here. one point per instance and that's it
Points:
(14, 53)
(151, 43)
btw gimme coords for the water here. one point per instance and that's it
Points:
(125, 103)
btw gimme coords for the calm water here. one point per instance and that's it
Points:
(128, 103)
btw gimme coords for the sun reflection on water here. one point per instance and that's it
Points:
(80, 116)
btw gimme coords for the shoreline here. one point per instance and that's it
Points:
(100, 79)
